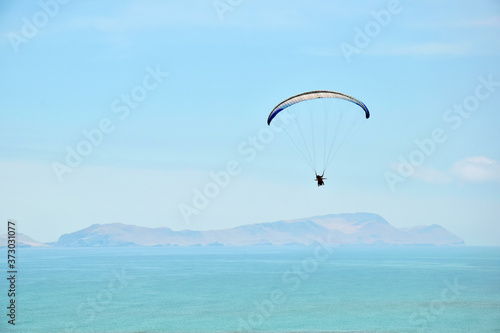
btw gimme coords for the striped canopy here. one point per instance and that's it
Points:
(313, 95)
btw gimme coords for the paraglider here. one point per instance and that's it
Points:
(322, 122)
(320, 179)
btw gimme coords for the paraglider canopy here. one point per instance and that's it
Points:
(313, 95)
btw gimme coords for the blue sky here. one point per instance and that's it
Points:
(201, 78)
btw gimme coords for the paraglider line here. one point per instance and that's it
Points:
(313, 141)
(305, 145)
(332, 144)
(300, 151)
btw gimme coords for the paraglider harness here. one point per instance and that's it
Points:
(319, 179)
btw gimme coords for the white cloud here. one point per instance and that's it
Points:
(433, 176)
(477, 169)
(487, 22)
(147, 14)
(423, 49)
(144, 14)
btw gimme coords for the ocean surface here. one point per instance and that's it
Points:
(255, 289)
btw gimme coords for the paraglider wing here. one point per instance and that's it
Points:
(313, 95)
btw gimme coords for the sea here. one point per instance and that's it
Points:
(317, 288)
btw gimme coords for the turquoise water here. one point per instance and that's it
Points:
(256, 289)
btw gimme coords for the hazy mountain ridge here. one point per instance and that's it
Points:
(21, 241)
(342, 229)
(358, 228)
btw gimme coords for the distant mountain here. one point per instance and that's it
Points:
(359, 228)
(21, 241)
